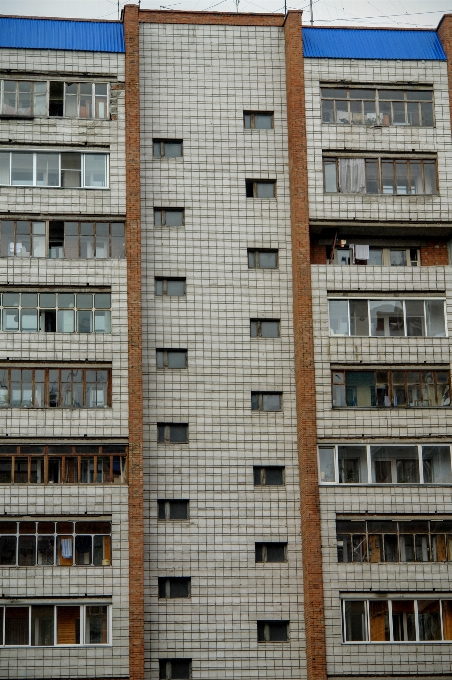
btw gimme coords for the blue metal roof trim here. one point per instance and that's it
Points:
(60, 34)
(356, 43)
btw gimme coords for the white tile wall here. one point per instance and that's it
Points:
(195, 83)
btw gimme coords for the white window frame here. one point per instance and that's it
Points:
(83, 155)
(82, 606)
(387, 299)
(368, 446)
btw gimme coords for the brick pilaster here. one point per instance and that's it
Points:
(304, 353)
(133, 252)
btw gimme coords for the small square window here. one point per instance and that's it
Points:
(260, 188)
(174, 669)
(264, 328)
(262, 259)
(271, 552)
(258, 120)
(173, 287)
(168, 217)
(266, 401)
(167, 148)
(172, 433)
(272, 631)
(171, 358)
(174, 587)
(173, 509)
(269, 476)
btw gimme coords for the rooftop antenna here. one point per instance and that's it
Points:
(312, 15)
(237, 5)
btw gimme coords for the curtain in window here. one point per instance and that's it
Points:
(352, 176)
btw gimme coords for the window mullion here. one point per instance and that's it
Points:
(369, 463)
(391, 626)
(404, 318)
(420, 462)
(367, 616)
(34, 168)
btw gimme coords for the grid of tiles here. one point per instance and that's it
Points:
(190, 91)
(31, 425)
(371, 426)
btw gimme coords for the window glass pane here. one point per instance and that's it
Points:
(70, 169)
(330, 176)
(398, 110)
(175, 287)
(430, 178)
(267, 260)
(356, 112)
(394, 464)
(447, 619)
(39, 239)
(21, 169)
(386, 318)
(178, 433)
(7, 543)
(265, 189)
(4, 167)
(427, 114)
(326, 465)
(172, 149)
(327, 111)
(178, 510)
(436, 464)
(352, 464)
(10, 320)
(102, 322)
(70, 100)
(86, 100)
(29, 320)
(342, 115)
(96, 625)
(360, 389)
(26, 552)
(372, 184)
(359, 317)
(271, 402)
(429, 620)
(370, 114)
(338, 313)
(263, 121)
(47, 170)
(402, 177)
(436, 327)
(413, 113)
(379, 621)
(352, 175)
(42, 626)
(17, 626)
(9, 97)
(416, 183)
(397, 258)
(403, 621)
(270, 329)
(40, 99)
(95, 170)
(415, 320)
(385, 112)
(174, 218)
(177, 359)
(355, 621)
(387, 177)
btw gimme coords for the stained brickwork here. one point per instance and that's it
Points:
(133, 241)
(304, 352)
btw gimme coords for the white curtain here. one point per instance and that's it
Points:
(352, 175)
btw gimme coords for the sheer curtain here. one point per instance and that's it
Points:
(352, 176)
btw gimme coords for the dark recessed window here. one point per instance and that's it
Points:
(173, 509)
(262, 258)
(168, 217)
(173, 287)
(258, 120)
(174, 587)
(269, 476)
(167, 148)
(272, 631)
(174, 669)
(260, 188)
(172, 433)
(264, 328)
(171, 358)
(271, 552)
(266, 401)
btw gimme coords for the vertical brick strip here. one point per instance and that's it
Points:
(133, 251)
(445, 33)
(304, 353)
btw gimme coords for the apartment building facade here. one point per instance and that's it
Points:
(225, 363)
(64, 351)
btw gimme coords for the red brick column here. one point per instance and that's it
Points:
(304, 353)
(133, 252)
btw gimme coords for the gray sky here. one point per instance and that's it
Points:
(416, 13)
